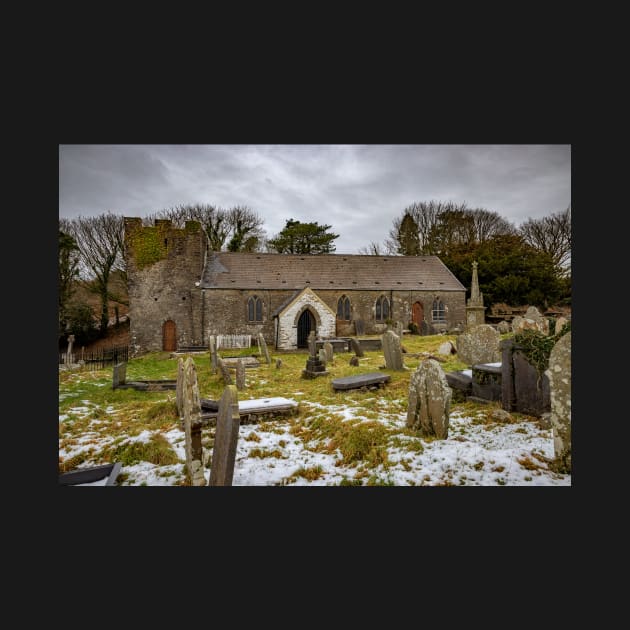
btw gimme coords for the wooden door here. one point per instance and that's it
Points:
(169, 336)
(417, 314)
(306, 323)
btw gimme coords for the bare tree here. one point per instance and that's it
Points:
(373, 249)
(67, 271)
(487, 225)
(246, 227)
(100, 240)
(552, 235)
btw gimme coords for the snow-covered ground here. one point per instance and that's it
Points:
(476, 453)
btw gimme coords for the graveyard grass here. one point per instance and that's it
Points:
(349, 437)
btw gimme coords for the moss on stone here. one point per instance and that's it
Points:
(148, 245)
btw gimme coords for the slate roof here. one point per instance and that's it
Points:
(228, 270)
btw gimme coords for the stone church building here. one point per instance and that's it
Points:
(180, 292)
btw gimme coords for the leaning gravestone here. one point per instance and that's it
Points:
(263, 347)
(321, 354)
(225, 439)
(179, 389)
(225, 372)
(559, 373)
(503, 327)
(429, 400)
(359, 326)
(480, 345)
(328, 349)
(356, 347)
(354, 361)
(240, 374)
(192, 424)
(212, 342)
(392, 351)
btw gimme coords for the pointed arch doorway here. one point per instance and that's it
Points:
(417, 314)
(306, 323)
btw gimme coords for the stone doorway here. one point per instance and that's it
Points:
(169, 336)
(306, 323)
(417, 314)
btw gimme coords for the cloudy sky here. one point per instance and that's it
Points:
(357, 189)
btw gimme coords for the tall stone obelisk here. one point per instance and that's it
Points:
(474, 306)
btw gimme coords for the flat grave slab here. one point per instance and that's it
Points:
(249, 410)
(360, 380)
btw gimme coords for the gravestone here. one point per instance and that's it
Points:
(225, 439)
(486, 381)
(240, 374)
(429, 400)
(225, 372)
(523, 389)
(212, 343)
(321, 354)
(373, 380)
(460, 383)
(356, 347)
(354, 361)
(69, 357)
(263, 347)
(179, 389)
(120, 375)
(314, 366)
(503, 327)
(392, 351)
(192, 424)
(560, 323)
(534, 314)
(426, 328)
(559, 374)
(480, 345)
(328, 349)
(278, 363)
(359, 326)
(398, 329)
(446, 348)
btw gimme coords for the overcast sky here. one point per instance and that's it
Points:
(357, 189)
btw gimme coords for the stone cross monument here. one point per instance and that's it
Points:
(474, 307)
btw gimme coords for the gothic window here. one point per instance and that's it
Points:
(254, 309)
(343, 308)
(439, 312)
(382, 309)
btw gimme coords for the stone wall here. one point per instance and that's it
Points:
(163, 264)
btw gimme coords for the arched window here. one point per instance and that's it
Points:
(343, 307)
(382, 309)
(254, 309)
(439, 311)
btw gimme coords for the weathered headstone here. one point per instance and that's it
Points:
(426, 328)
(69, 357)
(559, 373)
(314, 366)
(240, 374)
(179, 389)
(446, 348)
(213, 354)
(225, 372)
(398, 329)
(328, 349)
(523, 389)
(543, 324)
(359, 326)
(225, 439)
(263, 347)
(192, 424)
(356, 347)
(429, 400)
(560, 323)
(392, 351)
(480, 345)
(503, 327)
(278, 363)
(119, 376)
(321, 355)
(354, 361)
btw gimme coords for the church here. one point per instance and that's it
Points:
(181, 292)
